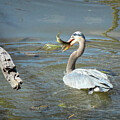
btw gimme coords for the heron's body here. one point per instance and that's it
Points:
(90, 79)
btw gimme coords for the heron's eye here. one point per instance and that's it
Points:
(75, 34)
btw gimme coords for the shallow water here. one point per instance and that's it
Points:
(26, 26)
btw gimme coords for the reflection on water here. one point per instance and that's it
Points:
(42, 69)
(43, 83)
(115, 6)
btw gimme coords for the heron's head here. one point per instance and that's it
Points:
(75, 38)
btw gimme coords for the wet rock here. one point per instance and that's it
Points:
(40, 108)
(50, 47)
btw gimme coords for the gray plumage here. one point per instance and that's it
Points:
(90, 79)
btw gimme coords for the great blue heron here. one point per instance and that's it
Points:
(90, 79)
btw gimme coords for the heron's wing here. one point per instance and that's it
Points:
(82, 79)
(101, 78)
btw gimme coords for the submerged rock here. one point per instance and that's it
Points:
(51, 47)
(39, 108)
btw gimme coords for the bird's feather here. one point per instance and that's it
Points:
(87, 78)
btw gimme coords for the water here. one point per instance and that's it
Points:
(26, 26)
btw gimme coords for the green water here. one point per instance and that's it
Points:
(27, 26)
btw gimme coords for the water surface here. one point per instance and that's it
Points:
(26, 26)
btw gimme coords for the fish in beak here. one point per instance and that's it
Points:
(65, 45)
(70, 43)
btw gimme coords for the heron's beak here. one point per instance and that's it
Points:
(70, 43)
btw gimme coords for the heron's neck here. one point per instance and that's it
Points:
(74, 56)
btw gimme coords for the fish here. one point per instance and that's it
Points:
(63, 43)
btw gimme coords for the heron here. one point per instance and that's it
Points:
(91, 79)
